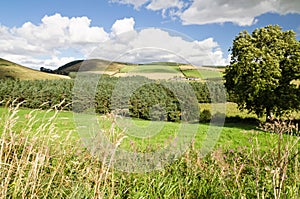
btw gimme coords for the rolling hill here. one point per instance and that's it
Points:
(10, 70)
(91, 65)
(154, 70)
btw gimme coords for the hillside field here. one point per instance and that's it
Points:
(155, 70)
(10, 70)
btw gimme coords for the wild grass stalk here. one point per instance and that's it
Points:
(38, 162)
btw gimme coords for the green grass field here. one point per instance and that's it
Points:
(151, 68)
(170, 70)
(201, 72)
(151, 71)
(41, 156)
(232, 135)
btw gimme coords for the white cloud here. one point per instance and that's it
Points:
(58, 31)
(81, 32)
(241, 12)
(58, 40)
(50, 38)
(122, 26)
(150, 45)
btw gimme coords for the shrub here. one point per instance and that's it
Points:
(205, 116)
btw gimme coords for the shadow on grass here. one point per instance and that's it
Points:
(238, 122)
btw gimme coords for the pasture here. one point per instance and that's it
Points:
(204, 73)
(42, 157)
(151, 71)
(162, 71)
(64, 123)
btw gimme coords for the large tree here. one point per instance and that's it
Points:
(263, 69)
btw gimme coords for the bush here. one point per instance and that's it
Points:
(205, 116)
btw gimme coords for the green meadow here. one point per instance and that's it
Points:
(42, 156)
(232, 135)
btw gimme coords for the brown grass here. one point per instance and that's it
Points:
(15, 71)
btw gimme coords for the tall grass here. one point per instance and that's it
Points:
(39, 163)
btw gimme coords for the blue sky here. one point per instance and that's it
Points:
(50, 33)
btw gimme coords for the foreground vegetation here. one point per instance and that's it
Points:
(37, 161)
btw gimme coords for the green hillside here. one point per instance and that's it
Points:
(10, 70)
(154, 70)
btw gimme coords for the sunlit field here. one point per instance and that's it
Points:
(42, 157)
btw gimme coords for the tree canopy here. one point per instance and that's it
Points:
(264, 66)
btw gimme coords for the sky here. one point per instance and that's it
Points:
(51, 33)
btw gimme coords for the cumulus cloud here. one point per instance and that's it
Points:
(58, 40)
(152, 45)
(50, 38)
(122, 26)
(58, 31)
(241, 12)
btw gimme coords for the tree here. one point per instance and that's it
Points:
(263, 69)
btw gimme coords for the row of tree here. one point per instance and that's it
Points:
(130, 96)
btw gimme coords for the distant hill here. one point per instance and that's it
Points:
(10, 70)
(152, 70)
(96, 65)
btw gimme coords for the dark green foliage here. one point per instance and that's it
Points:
(210, 91)
(262, 70)
(156, 102)
(129, 96)
(38, 93)
(205, 116)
